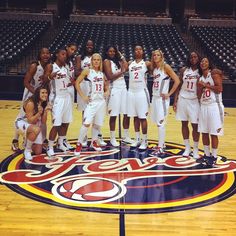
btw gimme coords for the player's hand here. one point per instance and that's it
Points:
(107, 94)
(87, 99)
(40, 109)
(201, 84)
(175, 107)
(48, 107)
(165, 95)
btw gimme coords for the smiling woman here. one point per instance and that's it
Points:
(30, 122)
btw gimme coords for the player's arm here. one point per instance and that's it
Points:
(78, 81)
(149, 66)
(200, 87)
(45, 113)
(108, 72)
(47, 73)
(29, 75)
(181, 73)
(78, 68)
(29, 112)
(124, 63)
(170, 72)
(217, 76)
(106, 85)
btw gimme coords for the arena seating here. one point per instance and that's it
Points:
(16, 36)
(219, 43)
(151, 37)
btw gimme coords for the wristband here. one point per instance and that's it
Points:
(49, 78)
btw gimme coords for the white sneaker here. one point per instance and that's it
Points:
(143, 145)
(62, 147)
(128, 140)
(114, 143)
(136, 143)
(95, 146)
(195, 153)
(101, 142)
(50, 152)
(27, 155)
(67, 145)
(186, 152)
(158, 151)
(85, 142)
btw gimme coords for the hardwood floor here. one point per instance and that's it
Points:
(20, 215)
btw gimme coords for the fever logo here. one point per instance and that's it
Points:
(120, 180)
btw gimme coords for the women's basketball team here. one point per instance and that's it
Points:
(50, 83)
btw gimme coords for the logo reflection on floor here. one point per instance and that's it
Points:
(120, 180)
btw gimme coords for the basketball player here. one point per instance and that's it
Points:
(35, 110)
(84, 61)
(95, 110)
(60, 99)
(162, 73)
(138, 96)
(186, 103)
(32, 80)
(211, 115)
(115, 66)
(71, 49)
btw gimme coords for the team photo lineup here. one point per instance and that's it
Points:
(118, 118)
(109, 85)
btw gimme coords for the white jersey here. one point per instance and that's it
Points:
(71, 71)
(137, 75)
(189, 87)
(161, 82)
(208, 95)
(59, 84)
(86, 62)
(119, 82)
(35, 82)
(96, 84)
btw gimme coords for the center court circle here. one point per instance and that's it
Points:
(120, 180)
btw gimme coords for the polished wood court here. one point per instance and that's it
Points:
(22, 216)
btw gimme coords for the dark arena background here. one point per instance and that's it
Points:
(174, 196)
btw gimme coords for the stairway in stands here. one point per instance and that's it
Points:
(21, 66)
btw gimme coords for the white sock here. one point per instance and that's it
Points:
(144, 137)
(207, 150)
(112, 134)
(162, 135)
(95, 132)
(99, 129)
(60, 139)
(195, 144)
(214, 152)
(137, 135)
(126, 133)
(187, 144)
(82, 133)
(28, 145)
(50, 144)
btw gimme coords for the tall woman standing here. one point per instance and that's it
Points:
(211, 117)
(115, 66)
(162, 73)
(186, 103)
(95, 110)
(138, 96)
